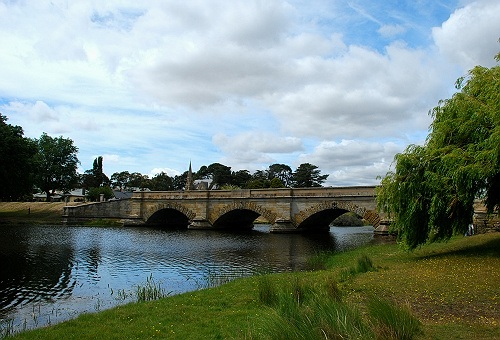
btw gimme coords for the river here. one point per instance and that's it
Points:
(54, 273)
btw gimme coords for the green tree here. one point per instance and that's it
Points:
(281, 171)
(120, 179)
(259, 180)
(202, 173)
(308, 175)
(230, 187)
(56, 163)
(95, 177)
(257, 184)
(16, 162)
(138, 181)
(431, 192)
(94, 193)
(240, 178)
(161, 182)
(276, 183)
(179, 181)
(220, 174)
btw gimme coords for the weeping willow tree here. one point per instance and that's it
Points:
(430, 194)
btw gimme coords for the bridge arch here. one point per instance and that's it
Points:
(240, 214)
(168, 214)
(319, 216)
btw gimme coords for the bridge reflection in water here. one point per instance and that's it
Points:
(287, 210)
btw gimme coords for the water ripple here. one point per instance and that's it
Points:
(58, 272)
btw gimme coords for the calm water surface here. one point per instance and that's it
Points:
(53, 273)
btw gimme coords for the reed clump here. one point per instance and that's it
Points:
(150, 290)
(307, 311)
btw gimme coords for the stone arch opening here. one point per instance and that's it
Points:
(168, 218)
(320, 221)
(239, 215)
(240, 219)
(320, 216)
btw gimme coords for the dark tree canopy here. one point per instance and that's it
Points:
(276, 183)
(56, 163)
(161, 182)
(179, 181)
(137, 180)
(281, 171)
(95, 177)
(240, 178)
(220, 174)
(94, 194)
(16, 161)
(120, 179)
(431, 192)
(308, 175)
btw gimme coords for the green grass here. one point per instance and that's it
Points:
(445, 290)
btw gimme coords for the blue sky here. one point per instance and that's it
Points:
(153, 85)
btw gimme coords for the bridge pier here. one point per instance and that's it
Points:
(283, 226)
(200, 224)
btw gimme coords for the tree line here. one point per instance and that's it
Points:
(220, 176)
(48, 164)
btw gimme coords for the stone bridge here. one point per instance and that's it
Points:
(287, 210)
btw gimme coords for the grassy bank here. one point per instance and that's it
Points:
(451, 288)
(31, 212)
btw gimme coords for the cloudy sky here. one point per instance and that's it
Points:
(152, 85)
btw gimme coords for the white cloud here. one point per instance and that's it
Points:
(250, 149)
(259, 141)
(247, 83)
(391, 31)
(364, 93)
(356, 162)
(168, 171)
(470, 36)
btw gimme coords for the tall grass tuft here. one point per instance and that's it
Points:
(267, 292)
(364, 264)
(150, 290)
(332, 289)
(391, 321)
(319, 317)
(338, 320)
(319, 260)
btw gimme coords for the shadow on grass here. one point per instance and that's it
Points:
(477, 246)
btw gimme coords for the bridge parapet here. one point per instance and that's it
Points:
(259, 193)
(289, 210)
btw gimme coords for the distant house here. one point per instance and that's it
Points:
(122, 195)
(204, 184)
(42, 197)
(77, 195)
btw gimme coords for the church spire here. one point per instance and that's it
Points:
(189, 180)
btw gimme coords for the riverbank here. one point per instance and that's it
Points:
(452, 288)
(31, 212)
